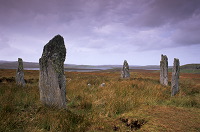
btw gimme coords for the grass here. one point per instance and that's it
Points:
(194, 71)
(94, 108)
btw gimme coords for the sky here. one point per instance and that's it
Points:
(102, 32)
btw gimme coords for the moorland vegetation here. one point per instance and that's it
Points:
(138, 103)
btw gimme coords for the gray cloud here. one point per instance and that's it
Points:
(100, 26)
(4, 42)
(161, 12)
(188, 31)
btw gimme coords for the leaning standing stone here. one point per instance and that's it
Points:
(52, 82)
(125, 70)
(175, 77)
(164, 70)
(20, 73)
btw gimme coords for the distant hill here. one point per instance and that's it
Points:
(191, 66)
(14, 64)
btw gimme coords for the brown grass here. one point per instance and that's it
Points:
(96, 108)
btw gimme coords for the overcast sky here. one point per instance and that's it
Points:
(102, 31)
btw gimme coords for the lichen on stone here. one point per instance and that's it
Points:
(52, 82)
(55, 51)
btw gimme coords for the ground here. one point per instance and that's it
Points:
(139, 103)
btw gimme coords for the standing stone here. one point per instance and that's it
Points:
(175, 77)
(125, 71)
(52, 81)
(164, 70)
(20, 73)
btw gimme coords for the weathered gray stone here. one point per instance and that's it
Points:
(164, 70)
(125, 70)
(175, 77)
(52, 81)
(20, 73)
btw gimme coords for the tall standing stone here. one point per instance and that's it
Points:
(20, 73)
(125, 70)
(52, 81)
(175, 77)
(164, 70)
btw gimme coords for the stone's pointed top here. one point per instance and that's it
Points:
(55, 48)
(58, 37)
(176, 59)
(57, 40)
(125, 62)
(19, 59)
(164, 57)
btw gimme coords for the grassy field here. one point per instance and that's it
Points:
(139, 103)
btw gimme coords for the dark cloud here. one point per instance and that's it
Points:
(188, 32)
(160, 12)
(101, 26)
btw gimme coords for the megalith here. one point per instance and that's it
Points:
(125, 70)
(164, 70)
(52, 81)
(20, 73)
(175, 77)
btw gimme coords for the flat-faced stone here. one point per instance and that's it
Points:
(52, 82)
(20, 73)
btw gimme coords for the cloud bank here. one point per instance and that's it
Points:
(99, 27)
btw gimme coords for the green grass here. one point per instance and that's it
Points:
(20, 110)
(194, 71)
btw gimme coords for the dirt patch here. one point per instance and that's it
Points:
(31, 81)
(132, 123)
(115, 128)
(12, 79)
(7, 79)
